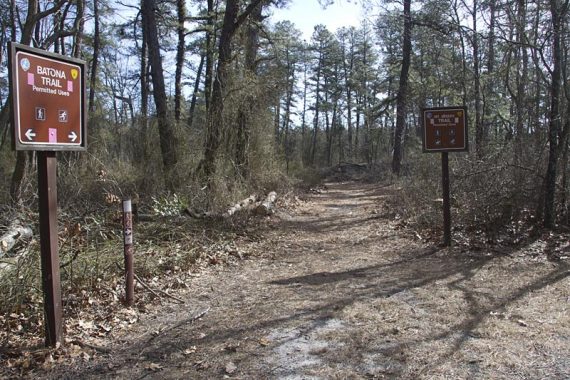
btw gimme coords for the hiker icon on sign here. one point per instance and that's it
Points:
(40, 113)
(62, 116)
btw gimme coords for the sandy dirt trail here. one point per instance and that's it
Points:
(335, 290)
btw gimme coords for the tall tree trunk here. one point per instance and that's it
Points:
(341, 156)
(180, 52)
(490, 99)
(95, 58)
(13, 13)
(168, 142)
(144, 76)
(196, 90)
(522, 83)
(288, 107)
(333, 133)
(463, 60)
(316, 116)
(565, 154)
(215, 113)
(403, 90)
(348, 67)
(79, 26)
(357, 128)
(210, 43)
(366, 104)
(305, 150)
(328, 127)
(479, 127)
(556, 11)
(277, 122)
(246, 111)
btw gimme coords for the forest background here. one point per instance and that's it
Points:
(197, 104)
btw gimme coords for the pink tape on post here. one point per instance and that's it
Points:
(52, 135)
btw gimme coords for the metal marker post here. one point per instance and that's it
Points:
(446, 199)
(128, 242)
(47, 192)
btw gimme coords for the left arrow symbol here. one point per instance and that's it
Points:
(30, 134)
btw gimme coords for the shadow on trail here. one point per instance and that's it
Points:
(371, 272)
(460, 333)
(366, 283)
(325, 225)
(338, 290)
(310, 299)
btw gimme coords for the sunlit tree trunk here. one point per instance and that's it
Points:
(215, 112)
(168, 142)
(403, 90)
(246, 111)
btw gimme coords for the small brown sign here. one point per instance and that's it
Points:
(48, 102)
(445, 129)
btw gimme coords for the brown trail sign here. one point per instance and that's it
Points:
(48, 115)
(48, 107)
(445, 130)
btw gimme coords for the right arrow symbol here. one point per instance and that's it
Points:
(72, 136)
(30, 134)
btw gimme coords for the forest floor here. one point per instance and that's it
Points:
(336, 289)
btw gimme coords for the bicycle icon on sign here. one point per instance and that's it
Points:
(62, 116)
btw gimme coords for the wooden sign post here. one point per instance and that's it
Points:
(445, 130)
(48, 115)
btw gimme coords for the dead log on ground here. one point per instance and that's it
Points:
(248, 204)
(244, 204)
(15, 233)
(267, 206)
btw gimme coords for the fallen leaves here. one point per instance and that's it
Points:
(153, 367)
(47, 358)
(264, 342)
(231, 368)
(189, 351)
(232, 347)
